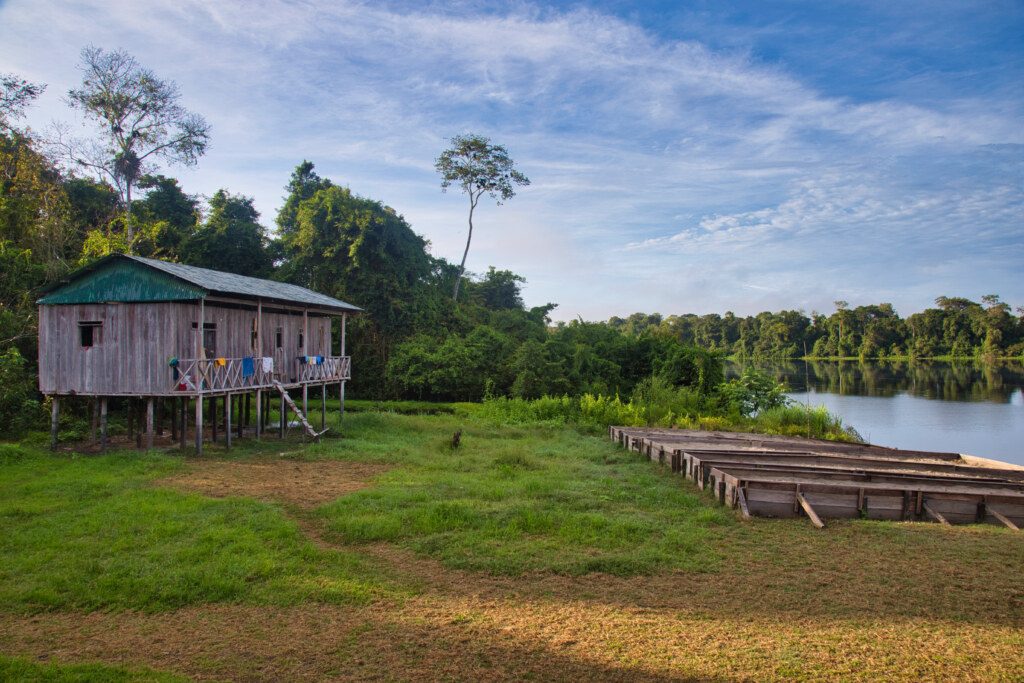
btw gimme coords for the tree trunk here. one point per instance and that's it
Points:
(469, 237)
(129, 232)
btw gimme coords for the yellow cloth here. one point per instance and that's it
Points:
(221, 361)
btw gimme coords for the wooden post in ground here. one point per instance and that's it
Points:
(150, 430)
(159, 417)
(199, 424)
(323, 406)
(103, 423)
(54, 421)
(183, 422)
(243, 410)
(227, 420)
(213, 419)
(95, 422)
(284, 417)
(131, 418)
(259, 413)
(174, 420)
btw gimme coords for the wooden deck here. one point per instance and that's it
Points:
(777, 476)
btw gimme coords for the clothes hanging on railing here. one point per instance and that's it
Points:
(248, 366)
(221, 361)
(268, 364)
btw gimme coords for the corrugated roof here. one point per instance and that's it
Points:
(219, 282)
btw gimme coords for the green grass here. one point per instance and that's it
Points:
(515, 499)
(92, 533)
(23, 670)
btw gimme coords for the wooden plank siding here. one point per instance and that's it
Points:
(135, 341)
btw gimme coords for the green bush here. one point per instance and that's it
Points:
(20, 408)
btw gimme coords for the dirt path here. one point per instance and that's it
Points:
(763, 616)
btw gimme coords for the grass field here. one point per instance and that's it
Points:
(525, 554)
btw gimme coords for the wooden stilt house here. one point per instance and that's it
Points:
(179, 336)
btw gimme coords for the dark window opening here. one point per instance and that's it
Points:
(254, 335)
(209, 339)
(89, 333)
(279, 334)
(301, 340)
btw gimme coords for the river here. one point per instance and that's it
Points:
(965, 407)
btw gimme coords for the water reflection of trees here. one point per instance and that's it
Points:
(965, 381)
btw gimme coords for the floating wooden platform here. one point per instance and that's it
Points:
(780, 476)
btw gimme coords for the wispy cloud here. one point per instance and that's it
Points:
(664, 166)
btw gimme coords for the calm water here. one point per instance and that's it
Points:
(962, 407)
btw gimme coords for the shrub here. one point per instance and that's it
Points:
(20, 408)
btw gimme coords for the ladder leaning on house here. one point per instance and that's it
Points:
(302, 417)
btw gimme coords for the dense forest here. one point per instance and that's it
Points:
(415, 340)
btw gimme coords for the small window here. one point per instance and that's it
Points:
(253, 335)
(301, 340)
(279, 334)
(89, 333)
(209, 338)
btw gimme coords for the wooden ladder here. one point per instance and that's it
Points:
(302, 418)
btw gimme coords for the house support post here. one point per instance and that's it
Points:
(227, 420)
(199, 424)
(213, 419)
(341, 384)
(284, 417)
(259, 413)
(150, 432)
(95, 423)
(174, 420)
(54, 421)
(159, 417)
(103, 423)
(323, 406)
(183, 422)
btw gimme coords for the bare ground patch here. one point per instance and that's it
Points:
(304, 484)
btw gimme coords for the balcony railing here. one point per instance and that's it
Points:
(194, 375)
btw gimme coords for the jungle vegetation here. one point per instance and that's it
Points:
(415, 341)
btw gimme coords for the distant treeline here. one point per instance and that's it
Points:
(957, 327)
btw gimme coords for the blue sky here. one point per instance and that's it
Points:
(685, 157)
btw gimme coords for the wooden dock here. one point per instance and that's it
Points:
(780, 476)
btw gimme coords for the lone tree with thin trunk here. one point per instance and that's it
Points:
(479, 168)
(141, 121)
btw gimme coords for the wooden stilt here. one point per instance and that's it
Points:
(183, 422)
(159, 417)
(242, 402)
(139, 413)
(323, 406)
(174, 420)
(150, 428)
(213, 419)
(131, 418)
(259, 413)
(103, 423)
(199, 424)
(227, 420)
(95, 423)
(305, 404)
(284, 418)
(54, 421)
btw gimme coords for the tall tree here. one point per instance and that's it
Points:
(232, 238)
(15, 96)
(141, 122)
(479, 168)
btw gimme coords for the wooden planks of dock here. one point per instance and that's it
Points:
(780, 476)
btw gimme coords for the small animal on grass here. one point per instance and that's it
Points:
(456, 439)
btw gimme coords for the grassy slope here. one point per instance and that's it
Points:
(93, 533)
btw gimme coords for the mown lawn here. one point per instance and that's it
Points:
(526, 553)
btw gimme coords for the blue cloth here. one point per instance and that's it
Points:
(248, 367)
(319, 360)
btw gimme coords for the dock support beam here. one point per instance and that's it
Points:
(815, 520)
(54, 421)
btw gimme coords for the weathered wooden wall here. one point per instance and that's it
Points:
(131, 351)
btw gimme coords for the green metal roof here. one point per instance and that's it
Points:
(121, 277)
